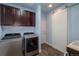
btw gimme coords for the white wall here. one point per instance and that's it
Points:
(73, 23)
(43, 28)
(17, 29)
(38, 24)
(49, 29)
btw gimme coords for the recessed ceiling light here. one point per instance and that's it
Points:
(50, 5)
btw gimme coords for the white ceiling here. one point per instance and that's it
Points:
(44, 6)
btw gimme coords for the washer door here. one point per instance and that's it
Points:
(31, 44)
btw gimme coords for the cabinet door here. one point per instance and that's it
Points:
(25, 19)
(32, 19)
(17, 17)
(8, 15)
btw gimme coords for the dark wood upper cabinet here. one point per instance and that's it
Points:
(27, 18)
(12, 16)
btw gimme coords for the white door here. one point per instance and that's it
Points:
(59, 29)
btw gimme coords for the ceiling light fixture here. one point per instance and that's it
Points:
(50, 5)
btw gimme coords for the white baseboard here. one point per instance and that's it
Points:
(48, 43)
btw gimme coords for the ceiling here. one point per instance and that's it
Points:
(44, 6)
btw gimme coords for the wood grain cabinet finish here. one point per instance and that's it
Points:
(1, 14)
(25, 18)
(12, 16)
(9, 15)
(17, 17)
(32, 19)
